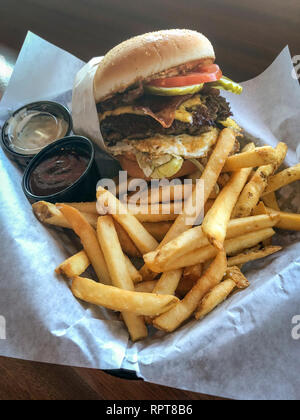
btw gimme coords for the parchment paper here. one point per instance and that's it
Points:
(244, 349)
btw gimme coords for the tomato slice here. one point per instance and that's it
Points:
(204, 74)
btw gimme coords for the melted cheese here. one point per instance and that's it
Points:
(181, 113)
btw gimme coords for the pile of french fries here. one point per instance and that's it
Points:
(187, 269)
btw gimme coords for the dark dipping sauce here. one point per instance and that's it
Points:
(58, 172)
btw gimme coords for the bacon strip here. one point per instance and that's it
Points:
(161, 108)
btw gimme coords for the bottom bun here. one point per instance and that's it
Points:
(129, 163)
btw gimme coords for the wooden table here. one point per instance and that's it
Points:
(247, 36)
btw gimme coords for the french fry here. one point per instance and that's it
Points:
(288, 221)
(270, 200)
(252, 255)
(216, 220)
(282, 179)
(198, 256)
(258, 183)
(214, 298)
(78, 263)
(208, 181)
(259, 156)
(89, 241)
(234, 273)
(195, 238)
(197, 175)
(168, 283)
(185, 308)
(165, 194)
(50, 214)
(234, 278)
(142, 239)
(158, 230)
(74, 266)
(145, 286)
(190, 276)
(126, 242)
(147, 304)
(85, 207)
(119, 274)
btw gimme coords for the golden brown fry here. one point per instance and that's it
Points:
(165, 194)
(194, 238)
(85, 207)
(208, 181)
(158, 230)
(258, 183)
(252, 255)
(168, 283)
(216, 220)
(270, 200)
(126, 242)
(184, 309)
(74, 266)
(214, 298)
(89, 241)
(190, 276)
(50, 214)
(234, 273)
(142, 239)
(288, 221)
(132, 271)
(119, 274)
(282, 179)
(148, 304)
(145, 286)
(259, 156)
(201, 255)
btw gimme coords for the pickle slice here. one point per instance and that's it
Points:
(168, 169)
(227, 84)
(176, 91)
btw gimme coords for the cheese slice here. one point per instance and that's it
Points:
(181, 114)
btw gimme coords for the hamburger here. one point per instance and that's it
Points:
(159, 103)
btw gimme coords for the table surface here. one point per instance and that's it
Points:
(247, 36)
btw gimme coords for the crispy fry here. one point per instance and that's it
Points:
(184, 309)
(74, 266)
(142, 239)
(270, 200)
(258, 183)
(195, 238)
(119, 274)
(145, 286)
(126, 242)
(252, 256)
(208, 180)
(201, 255)
(50, 214)
(234, 273)
(165, 194)
(190, 276)
(216, 220)
(84, 207)
(282, 179)
(89, 241)
(132, 271)
(168, 283)
(233, 278)
(288, 221)
(158, 230)
(148, 304)
(259, 156)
